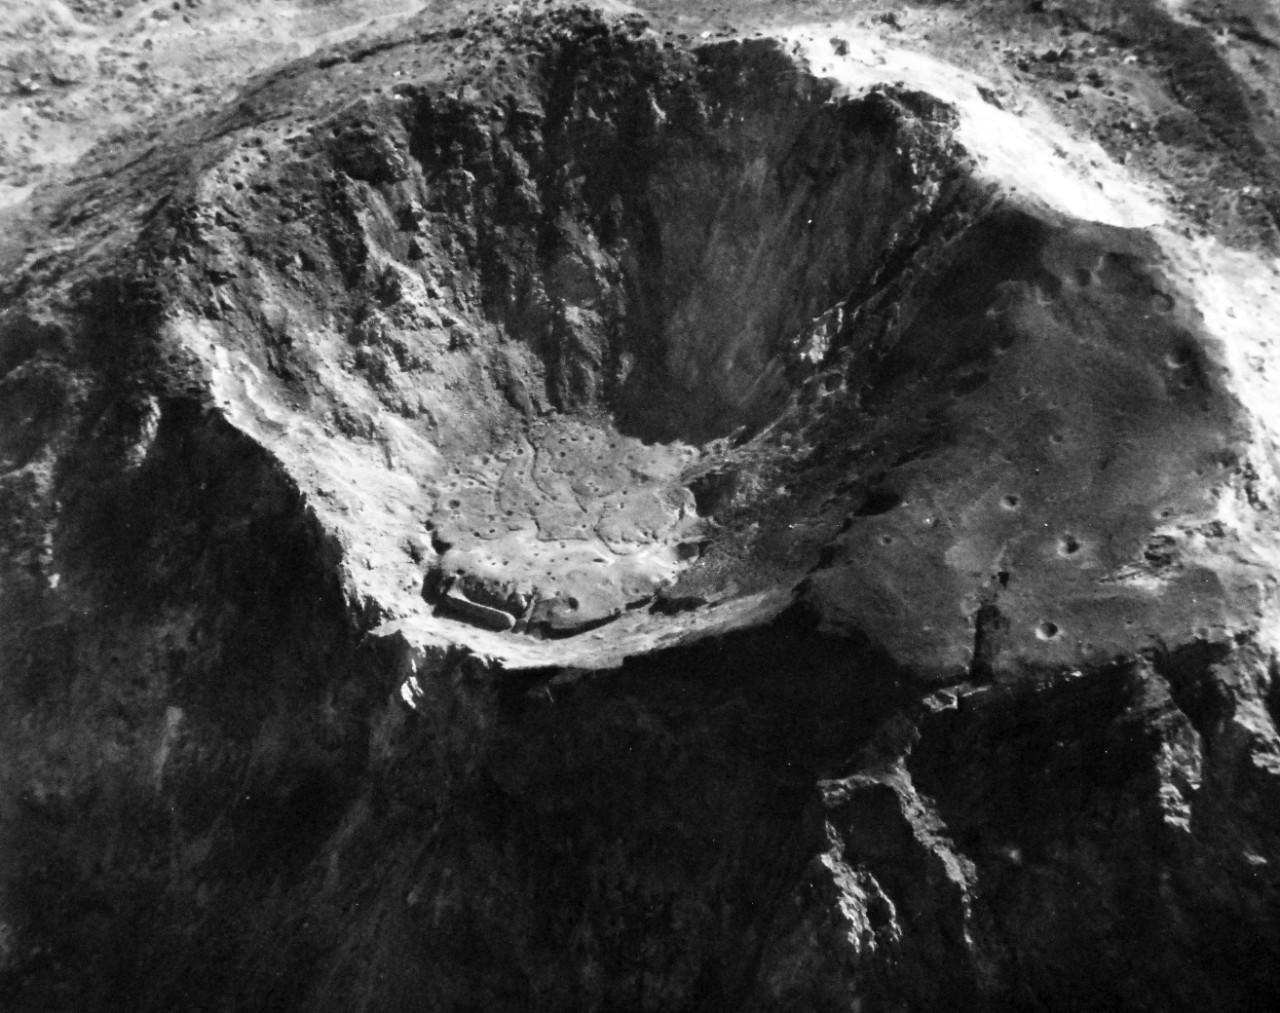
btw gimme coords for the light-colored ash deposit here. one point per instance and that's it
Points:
(667, 508)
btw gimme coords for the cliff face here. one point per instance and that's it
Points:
(540, 513)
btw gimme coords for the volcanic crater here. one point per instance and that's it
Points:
(568, 298)
(547, 513)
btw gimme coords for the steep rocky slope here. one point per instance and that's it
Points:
(551, 511)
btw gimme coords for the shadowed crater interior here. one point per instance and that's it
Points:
(609, 272)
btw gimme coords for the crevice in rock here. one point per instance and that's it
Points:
(1188, 670)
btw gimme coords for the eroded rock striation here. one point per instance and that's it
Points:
(543, 514)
